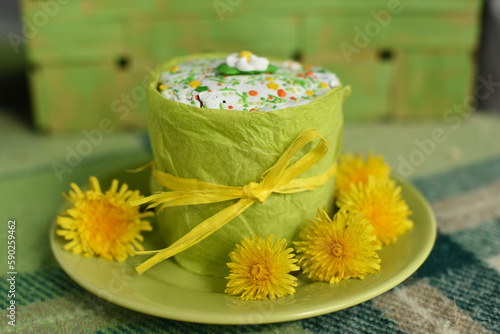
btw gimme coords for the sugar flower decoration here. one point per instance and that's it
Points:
(333, 250)
(103, 224)
(245, 62)
(355, 169)
(379, 201)
(334, 82)
(260, 269)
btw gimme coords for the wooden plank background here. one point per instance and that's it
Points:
(414, 59)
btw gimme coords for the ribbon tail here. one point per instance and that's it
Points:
(197, 234)
(311, 183)
(141, 168)
(180, 198)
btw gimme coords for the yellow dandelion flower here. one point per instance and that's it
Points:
(103, 224)
(342, 248)
(260, 269)
(354, 169)
(380, 202)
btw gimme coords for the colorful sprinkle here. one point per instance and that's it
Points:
(253, 93)
(174, 69)
(272, 85)
(324, 85)
(162, 87)
(309, 92)
(281, 93)
(194, 84)
(201, 89)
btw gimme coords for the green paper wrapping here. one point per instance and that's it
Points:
(234, 148)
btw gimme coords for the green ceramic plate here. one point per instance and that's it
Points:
(170, 291)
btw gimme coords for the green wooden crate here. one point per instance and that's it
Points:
(90, 59)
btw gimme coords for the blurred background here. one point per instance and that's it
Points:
(73, 74)
(67, 64)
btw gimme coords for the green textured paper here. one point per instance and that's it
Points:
(230, 147)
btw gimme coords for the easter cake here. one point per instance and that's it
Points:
(242, 146)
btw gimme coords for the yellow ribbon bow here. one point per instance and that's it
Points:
(280, 178)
